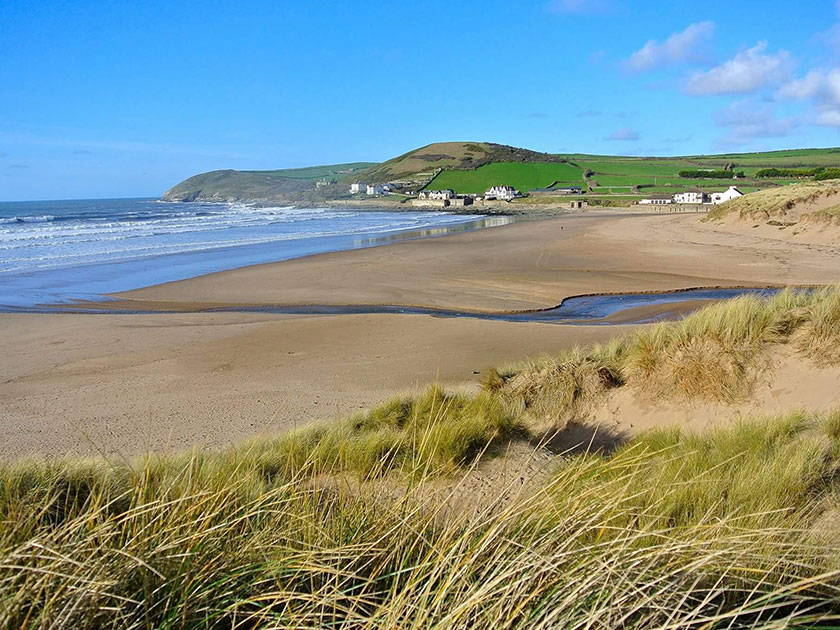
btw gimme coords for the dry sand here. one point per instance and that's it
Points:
(129, 383)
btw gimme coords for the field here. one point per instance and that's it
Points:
(610, 175)
(521, 176)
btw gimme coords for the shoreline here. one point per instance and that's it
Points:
(95, 279)
(125, 384)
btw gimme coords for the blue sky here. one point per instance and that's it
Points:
(114, 99)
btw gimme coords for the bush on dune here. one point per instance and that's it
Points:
(433, 432)
(715, 354)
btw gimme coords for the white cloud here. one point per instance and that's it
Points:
(747, 120)
(748, 71)
(625, 134)
(686, 45)
(802, 89)
(828, 118)
(822, 88)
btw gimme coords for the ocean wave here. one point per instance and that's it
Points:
(44, 218)
(96, 232)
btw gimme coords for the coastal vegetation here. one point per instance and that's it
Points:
(391, 518)
(788, 204)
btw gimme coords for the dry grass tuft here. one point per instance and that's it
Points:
(553, 392)
(435, 432)
(718, 353)
(783, 202)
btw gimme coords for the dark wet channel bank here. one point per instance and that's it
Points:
(636, 308)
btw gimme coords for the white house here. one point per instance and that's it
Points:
(437, 194)
(358, 188)
(656, 200)
(732, 193)
(375, 189)
(505, 193)
(693, 195)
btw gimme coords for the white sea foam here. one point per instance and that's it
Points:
(78, 234)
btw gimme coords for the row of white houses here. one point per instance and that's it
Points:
(361, 188)
(694, 195)
(505, 193)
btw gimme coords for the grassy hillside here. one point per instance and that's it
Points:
(520, 175)
(811, 201)
(370, 522)
(629, 176)
(420, 165)
(232, 185)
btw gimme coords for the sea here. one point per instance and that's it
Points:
(54, 252)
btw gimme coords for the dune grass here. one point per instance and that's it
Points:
(670, 531)
(716, 354)
(775, 202)
(433, 433)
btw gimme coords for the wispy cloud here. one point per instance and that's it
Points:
(748, 119)
(589, 113)
(537, 115)
(18, 165)
(124, 146)
(82, 152)
(686, 45)
(748, 71)
(626, 134)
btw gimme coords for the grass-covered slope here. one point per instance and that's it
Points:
(425, 162)
(230, 185)
(818, 200)
(521, 176)
(350, 524)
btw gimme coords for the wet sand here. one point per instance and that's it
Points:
(129, 383)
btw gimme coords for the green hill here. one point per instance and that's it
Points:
(423, 164)
(282, 184)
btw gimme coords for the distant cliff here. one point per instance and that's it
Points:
(286, 185)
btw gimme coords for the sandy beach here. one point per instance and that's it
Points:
(123, 384)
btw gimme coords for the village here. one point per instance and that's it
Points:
(449, 198)
(436, 198)
(693, 196)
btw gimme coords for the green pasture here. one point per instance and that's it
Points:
(334, 171)
(522, 176)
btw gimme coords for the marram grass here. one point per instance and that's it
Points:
(670, 531)
(716, 354)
